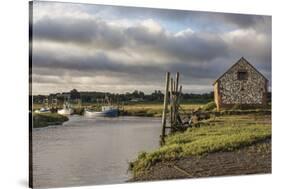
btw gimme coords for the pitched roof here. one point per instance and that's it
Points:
(242, 58)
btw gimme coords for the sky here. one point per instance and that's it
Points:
(121, 49)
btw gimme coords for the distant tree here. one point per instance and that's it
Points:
(74, 94)
(141, 94)
(157, 95)
(38, 99)
(135, 94)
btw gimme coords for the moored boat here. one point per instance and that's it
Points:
(107, 111)
(66, 110)
(43, 110)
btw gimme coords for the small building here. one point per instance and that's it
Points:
(242, 85)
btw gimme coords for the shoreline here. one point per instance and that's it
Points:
(47, 119)
(253, 159)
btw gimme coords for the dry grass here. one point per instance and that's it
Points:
(154, 110)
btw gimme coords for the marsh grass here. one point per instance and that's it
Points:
(153, 110)
(45, 119)
(207, 139)
(209, 106)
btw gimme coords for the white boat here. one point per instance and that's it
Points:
(43, 110)
(107, 111)
(66, 110)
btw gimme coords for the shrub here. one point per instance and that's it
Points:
(209, 106)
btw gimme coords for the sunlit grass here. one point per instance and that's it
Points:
(154, 110)
(206, 139)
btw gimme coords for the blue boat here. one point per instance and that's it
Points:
(106, 111)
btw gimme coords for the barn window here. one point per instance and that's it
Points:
(242, 75)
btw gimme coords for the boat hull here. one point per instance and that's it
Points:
(65, 111)
(107, 113)
(43, 111)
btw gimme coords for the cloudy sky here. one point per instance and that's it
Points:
(120, 49)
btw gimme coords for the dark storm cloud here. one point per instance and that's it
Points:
(240, 20)
(91, 33)
(87, 65)
(200, 19)
(184, 47)
(258, 22)
(80, 31)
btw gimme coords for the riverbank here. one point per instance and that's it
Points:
(220, 137)
(46, 119)
(254, 159)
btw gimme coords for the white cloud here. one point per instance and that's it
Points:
(152, 26)
(185, 32)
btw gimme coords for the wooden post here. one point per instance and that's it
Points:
(177, 82)
(180, 92)
(165, 108)
(175, 104)
(174, 87)
(177, 86)
(178, 118)
(172, 102)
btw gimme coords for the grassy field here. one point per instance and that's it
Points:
(153, 110)
(45, 119)
(224, 133)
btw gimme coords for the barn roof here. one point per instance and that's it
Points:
(242, 58)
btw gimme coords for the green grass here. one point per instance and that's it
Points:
(45, 119)
(152, 110)
(209, 106)
(207, 139)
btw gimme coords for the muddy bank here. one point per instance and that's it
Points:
(254, 159)
(46, 119)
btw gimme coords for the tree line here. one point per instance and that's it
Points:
(134, 96)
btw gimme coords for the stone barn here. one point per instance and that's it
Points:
(241, 85)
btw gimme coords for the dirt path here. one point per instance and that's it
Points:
(255, 159)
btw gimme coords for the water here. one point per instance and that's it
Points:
(89, 151)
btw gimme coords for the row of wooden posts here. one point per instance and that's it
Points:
(171, 105)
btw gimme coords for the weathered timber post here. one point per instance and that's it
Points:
(174, 86)
(180, 92)
(172, 103)
(177, 81)
(175, 108)
(178, 106)
(165, 108)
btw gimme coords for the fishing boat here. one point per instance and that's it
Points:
(43, 110)
(67, 110)
(106, 111)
